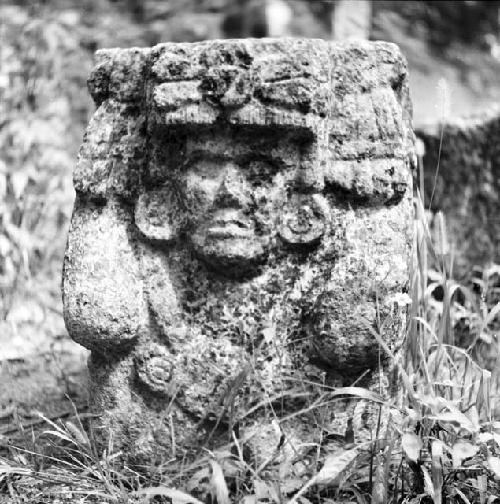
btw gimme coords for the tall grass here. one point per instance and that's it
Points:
(450, 438)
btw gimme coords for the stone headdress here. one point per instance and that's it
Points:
(351, 100)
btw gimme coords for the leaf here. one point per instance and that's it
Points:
(303, 500)
(64, 437)
(3, 185)
(412, 445)
(51, 423)
(462, 495)
(379, 487)
(249, 499)
(79, 435)
(494, 465)
(177, 496)
(265, 492)
(357, 392)
(484, 437)
(5, 468)
(269, 334)
(492, 315)
(19, 181)
(194, 483)
(218, 483)
(334, 466)
(437, 470)
(462, 451)
(455, 417)
(472, 413)
(428, 485)
(482, 486)
(5, 245)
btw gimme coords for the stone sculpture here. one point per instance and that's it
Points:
(243, 215)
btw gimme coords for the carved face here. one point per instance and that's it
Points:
(232, 195)
(236, 186)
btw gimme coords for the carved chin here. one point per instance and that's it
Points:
(230, 256)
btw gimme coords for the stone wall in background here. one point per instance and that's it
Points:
(467, 186)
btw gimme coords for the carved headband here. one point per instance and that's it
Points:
(351, 110)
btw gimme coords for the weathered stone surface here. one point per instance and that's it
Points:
(467, 187)
(237, 227)
(102, 282)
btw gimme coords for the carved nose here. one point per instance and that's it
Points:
(233, 190)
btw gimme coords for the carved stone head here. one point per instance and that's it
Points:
(243, 222)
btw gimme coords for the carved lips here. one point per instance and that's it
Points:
(228, 243)
(230, 224)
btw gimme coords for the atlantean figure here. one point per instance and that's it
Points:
(242, 226)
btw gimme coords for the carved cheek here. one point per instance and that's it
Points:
(157, 214)
(270, 202)
(278, 196)
(200, 193)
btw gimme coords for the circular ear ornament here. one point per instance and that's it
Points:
(154, 369)
(303, 221)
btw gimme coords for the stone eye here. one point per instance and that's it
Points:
(260, 172)
(205, 168)
(202, 176)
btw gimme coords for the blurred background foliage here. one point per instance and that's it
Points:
(46, 51)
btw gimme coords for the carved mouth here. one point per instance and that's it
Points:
(229, 230)
(229, 224)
